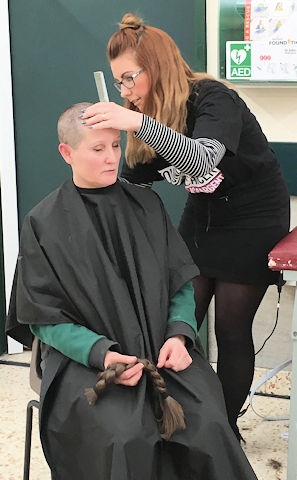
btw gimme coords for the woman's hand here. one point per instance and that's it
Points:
(174, 354)
(111, 115)
(132, 375)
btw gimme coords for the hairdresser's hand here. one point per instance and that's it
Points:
(174, 354)
(132, 375)
(111, 115)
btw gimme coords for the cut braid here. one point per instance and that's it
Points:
(172, 412)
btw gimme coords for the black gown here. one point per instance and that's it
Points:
(115, 275)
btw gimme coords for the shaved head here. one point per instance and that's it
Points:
(70, 128)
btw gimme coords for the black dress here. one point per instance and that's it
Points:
(230, 232)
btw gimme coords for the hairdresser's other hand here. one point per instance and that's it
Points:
(132, 375)
(111, 115)
(174, 354)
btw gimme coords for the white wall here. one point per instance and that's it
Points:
(7, 164)
(276, 110)
(274, 106)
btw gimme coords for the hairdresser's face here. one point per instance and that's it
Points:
(124, 66)
(95, 160)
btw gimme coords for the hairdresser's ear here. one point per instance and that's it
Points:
(65, 150)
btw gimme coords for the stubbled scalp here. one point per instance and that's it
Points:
(69, 125)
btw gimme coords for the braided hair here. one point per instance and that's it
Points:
(172, 412)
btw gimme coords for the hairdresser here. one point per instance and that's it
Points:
(188, 128)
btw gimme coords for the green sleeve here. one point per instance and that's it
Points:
(182, 307)
(74, 341)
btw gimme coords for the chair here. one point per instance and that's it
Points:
(35, 383)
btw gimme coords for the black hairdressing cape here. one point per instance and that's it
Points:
(116, 275)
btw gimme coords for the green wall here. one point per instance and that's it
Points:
(56, 47)
(287, 154)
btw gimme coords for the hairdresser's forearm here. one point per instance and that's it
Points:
(194, 157)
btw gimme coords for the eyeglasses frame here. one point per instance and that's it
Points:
(118, 85)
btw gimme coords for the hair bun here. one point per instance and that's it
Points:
(131, 21)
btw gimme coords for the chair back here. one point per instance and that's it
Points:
(35, 368)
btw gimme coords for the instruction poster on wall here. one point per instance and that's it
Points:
(268, 51)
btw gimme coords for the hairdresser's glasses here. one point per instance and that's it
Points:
(127, 81)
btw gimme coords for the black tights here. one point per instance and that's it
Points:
(235, 308)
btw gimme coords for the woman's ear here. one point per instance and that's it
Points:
(65, 150)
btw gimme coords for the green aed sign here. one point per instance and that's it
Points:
(238, 60)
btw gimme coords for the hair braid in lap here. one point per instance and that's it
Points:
(172, 412)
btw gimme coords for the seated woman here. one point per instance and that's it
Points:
(103, 277)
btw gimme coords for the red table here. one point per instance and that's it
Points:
(283, 257)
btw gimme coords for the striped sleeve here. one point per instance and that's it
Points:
(195, 157)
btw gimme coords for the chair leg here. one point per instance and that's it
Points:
(29, 415)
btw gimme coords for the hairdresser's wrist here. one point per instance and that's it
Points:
(138, 122)
(141, 127)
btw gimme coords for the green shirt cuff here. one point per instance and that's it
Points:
(182, 307)
(74, 341)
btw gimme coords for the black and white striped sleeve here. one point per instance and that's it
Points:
(195, 157)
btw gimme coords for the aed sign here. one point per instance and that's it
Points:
(238, 60)
(267, 60)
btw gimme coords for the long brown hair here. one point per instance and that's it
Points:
(170, 77)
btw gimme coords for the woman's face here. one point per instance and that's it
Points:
(124, 66)
(95, 160)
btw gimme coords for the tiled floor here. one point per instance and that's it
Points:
(266, 441)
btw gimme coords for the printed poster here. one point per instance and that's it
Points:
(268, 51)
